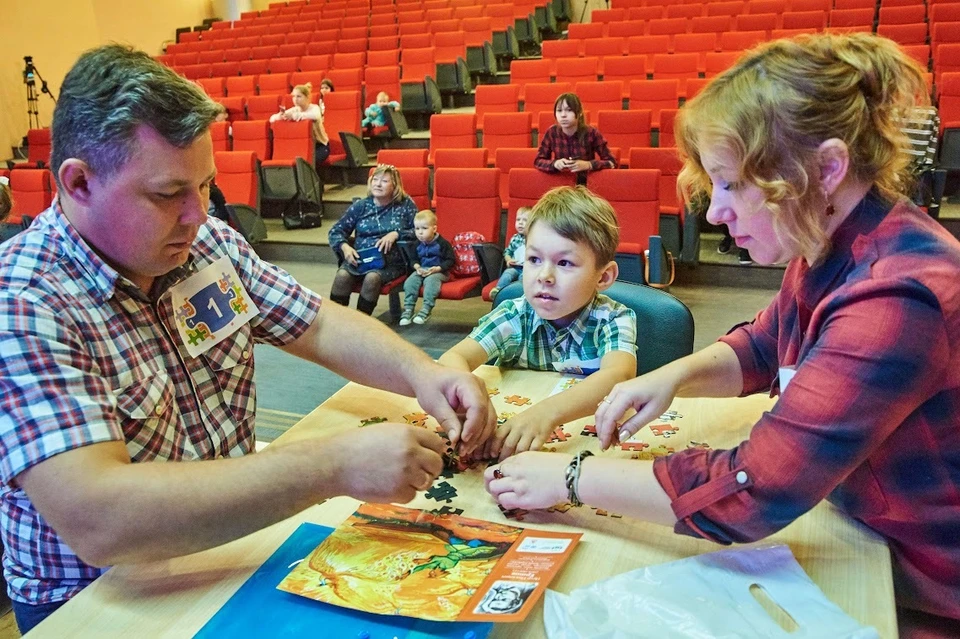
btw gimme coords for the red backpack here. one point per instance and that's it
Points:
(466, 259)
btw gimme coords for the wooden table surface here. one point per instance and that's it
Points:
(177, 597)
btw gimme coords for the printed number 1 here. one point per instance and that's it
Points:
(213, 307)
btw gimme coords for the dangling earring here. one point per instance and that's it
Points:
(830, 209)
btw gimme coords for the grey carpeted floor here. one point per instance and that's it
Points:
(289, 388)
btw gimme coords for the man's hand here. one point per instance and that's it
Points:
(579, 165)
(445, 393)
(520, 433)
(386, 462)
(350, 254)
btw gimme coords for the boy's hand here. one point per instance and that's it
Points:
(520, 433)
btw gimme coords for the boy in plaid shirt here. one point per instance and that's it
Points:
(563, 322)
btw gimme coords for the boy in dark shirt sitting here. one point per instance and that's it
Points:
(435, 258)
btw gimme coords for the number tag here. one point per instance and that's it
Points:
(210, 306)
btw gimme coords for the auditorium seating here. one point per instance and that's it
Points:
(467, 200)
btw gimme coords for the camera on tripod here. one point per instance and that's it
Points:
(29, 72)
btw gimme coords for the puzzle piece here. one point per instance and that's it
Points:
(604, 513)
(238, 304)
(493, 391)
(703, 445)
(634, 446)
(663, 430)
(558, 435)
(670, 415)
(417, 419)
(517, 400)
(589, 431)
(198, 334)
(513, 513)
(185, 311)
(570, 382)
(369, 421)
(653, 453)
(442, 492)
(503, 417)
(226, 281)
(447, 510)
(560, 508)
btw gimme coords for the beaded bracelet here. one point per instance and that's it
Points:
(573, 477)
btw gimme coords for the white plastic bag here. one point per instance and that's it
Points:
(707, 596)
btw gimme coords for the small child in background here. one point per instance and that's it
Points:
(563, 322)
(514, 254)
(375, 113)
(435, 258)
(6, 200)
(326, 86)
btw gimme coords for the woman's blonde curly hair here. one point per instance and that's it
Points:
(780, 101)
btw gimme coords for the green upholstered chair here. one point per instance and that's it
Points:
(664, 323)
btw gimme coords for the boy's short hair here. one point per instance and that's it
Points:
(426, 215)
(383, 94)
(524, 210)
(580, 216)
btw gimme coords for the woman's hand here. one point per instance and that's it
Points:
(529, 480)
(385, 243)
(650, 395)
(350, 254)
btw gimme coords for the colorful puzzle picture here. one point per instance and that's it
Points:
(392, 560)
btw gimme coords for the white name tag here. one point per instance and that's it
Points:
(577, 367)
(786, 376)
(211, 305)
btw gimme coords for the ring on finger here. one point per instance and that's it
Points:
(497, 473)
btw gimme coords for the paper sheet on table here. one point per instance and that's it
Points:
(707, 596)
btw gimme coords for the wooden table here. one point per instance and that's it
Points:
(177, 597)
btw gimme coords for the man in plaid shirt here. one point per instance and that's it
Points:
(562, 323)
(99, 381)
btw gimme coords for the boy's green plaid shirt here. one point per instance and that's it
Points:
(516, 337)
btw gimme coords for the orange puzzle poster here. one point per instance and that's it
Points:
(392, 560)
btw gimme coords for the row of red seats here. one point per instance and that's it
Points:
(623, 130)
(342, 114)
(32, 190)
(909, 11)
(715, 54)
(628, 5)
(389, 37)
(599, 98)
(305, 56)
(818, 20)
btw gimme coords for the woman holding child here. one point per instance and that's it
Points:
(377, 221)
(800, 149)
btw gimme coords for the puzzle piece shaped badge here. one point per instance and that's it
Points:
(517, 400)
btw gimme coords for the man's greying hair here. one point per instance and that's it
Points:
(108, 94)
